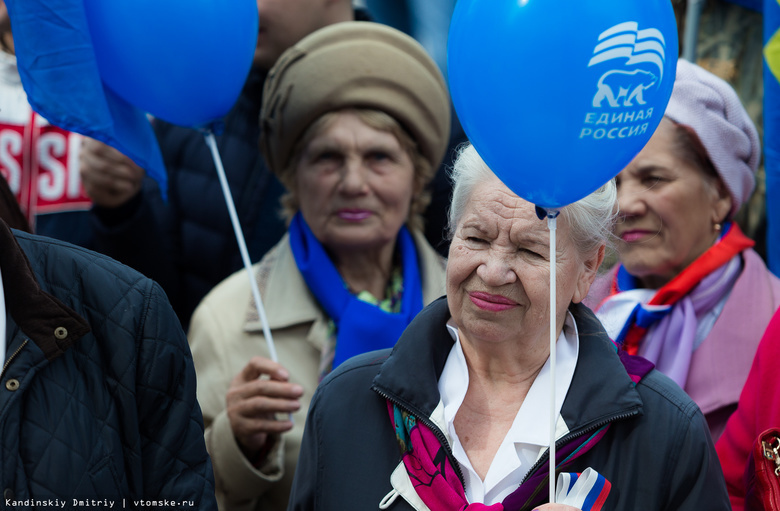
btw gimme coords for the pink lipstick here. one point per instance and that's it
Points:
(490, 302)
(353, 215)
(634, 236)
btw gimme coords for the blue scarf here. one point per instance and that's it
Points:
(360, 326)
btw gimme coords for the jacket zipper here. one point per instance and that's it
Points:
(13, 355)
(571, 436)
(434, 428)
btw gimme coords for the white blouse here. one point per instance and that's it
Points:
(529, 436)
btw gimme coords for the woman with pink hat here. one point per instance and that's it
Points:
(689, 292)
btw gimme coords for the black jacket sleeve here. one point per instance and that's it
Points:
(175, 463)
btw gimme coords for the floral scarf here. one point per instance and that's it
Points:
(432, 473)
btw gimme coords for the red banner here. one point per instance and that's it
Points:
(41, 164)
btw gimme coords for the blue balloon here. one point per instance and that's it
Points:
(183, 61)
(559, 96)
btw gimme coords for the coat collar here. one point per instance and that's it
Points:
(49, 323)
(411, 373)
(286, 298)
(288, 301)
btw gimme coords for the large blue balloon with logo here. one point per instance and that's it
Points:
(558, 96)
(184, 61)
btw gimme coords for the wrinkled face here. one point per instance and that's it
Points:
(355, 185)
(668, 209)
(282, 24)
(498, 271)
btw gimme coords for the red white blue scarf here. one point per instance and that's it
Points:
(663, 329)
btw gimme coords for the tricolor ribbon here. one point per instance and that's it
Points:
(586, 491)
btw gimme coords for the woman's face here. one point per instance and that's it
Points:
(355, 185)
(498, 271)
(668, 210)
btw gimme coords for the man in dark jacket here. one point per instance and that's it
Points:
(188, 244)
(97, 393)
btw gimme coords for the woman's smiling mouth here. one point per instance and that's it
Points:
(490, 302)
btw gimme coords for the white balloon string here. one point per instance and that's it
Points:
(212, 143)
(552, 217)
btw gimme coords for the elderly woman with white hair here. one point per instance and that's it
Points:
(689, 292)
(456, 416)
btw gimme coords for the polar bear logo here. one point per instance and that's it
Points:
(629, 86)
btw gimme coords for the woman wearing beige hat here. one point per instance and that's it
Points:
(690, 294)
(355, 122)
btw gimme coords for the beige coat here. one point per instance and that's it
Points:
(225, 333)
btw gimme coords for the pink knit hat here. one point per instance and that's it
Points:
(712, 108)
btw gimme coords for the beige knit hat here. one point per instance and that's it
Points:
(354, 65)
(711, 107)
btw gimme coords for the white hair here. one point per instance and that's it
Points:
(590, 219)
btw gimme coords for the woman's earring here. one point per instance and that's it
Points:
(717, 227)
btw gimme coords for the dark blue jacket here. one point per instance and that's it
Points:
(97, 393)
(657, 452)
(71, 226)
